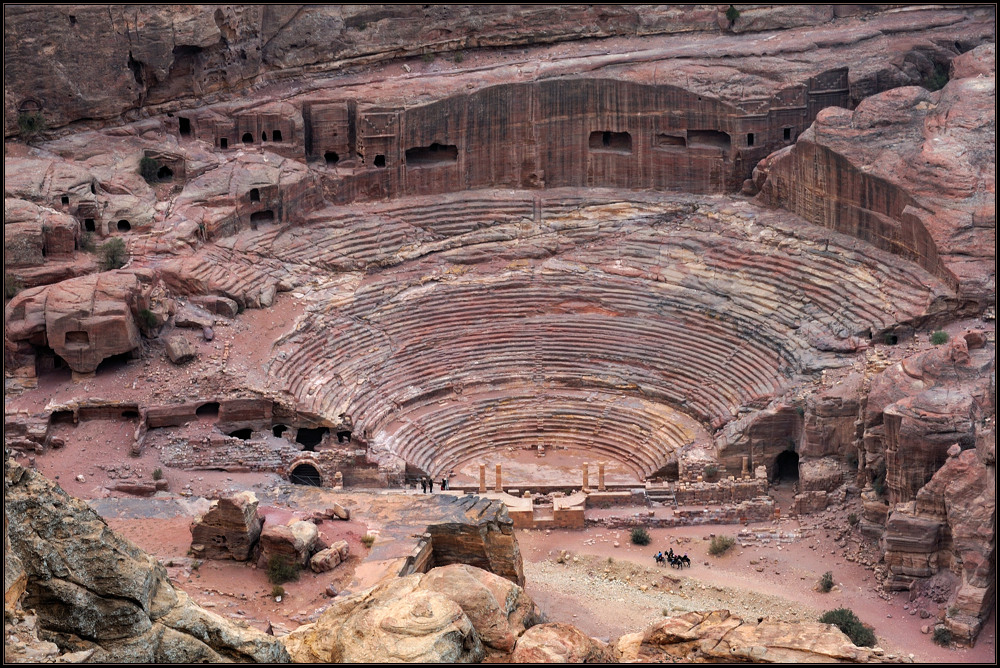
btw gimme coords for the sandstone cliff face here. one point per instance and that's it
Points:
(97, 62)
(97, 592)
(84, 320)
(909, 170)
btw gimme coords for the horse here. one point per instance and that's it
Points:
(660, 559)
(686, 561)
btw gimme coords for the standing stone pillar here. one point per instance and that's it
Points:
(745, 473)
(600, 476)
(482, 478)
(586, 476)
(499, 487)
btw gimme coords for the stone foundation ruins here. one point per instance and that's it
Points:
(707, 264)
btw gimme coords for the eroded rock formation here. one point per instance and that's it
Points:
(229, 530)
(93, 590)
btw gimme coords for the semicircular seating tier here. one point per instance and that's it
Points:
(705, 309)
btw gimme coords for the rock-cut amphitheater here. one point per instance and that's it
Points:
(563, 257)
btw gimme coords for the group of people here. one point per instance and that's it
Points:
(427, 484)
(675, 560)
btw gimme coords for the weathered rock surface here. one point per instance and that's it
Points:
(556, 642)
(498, 609)
(329, 558)
(951, 525)
(716, 636)
(393, 622)
(229, 530)
(94, 591)
(908, 170)
(84, 320)
(180, 350)
(293, 542)
(100, 62)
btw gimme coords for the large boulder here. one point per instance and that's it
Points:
(84, 320)
(499, 609)
(293, 542)
(94, 591)
(713, 637)
(329, 558)
(229, 530)
(392, 622)
(559, 643)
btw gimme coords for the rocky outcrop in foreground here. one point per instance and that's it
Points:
(95, 592)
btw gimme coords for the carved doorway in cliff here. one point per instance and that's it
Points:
(305, 474)
(786, 467)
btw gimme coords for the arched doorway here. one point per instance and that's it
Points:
(786, 467)
(305, 474)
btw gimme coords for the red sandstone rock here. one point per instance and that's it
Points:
(329, 558)
(84, 320)
(905, 170)
(498, 609)
(229, 530)
(559, 643)
(293, 542)
(180, 350)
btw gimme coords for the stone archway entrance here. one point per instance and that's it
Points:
(305, 474)
(786, 467)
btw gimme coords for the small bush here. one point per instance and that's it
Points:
(148, 169)
(196, 564)
(936, 79)
(428, 57)
(147, 318)
(610, 560)
(939, 337)
(281, 570)
(277, 590)
(848, 622)
(826, 582)
(878, 484)
(87, 244)
(31, 124)
(113, 254)
(711, 471)
(640, 536)
(732, 14)
(942, 636)
(368, 540)
(720, 545)
(459, 56)
(665, 612)
(157, 474)
(11, 285)
(853, 519)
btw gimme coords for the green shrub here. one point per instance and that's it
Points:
(157, 474)
(428, 57)
(640, 536)
(148, 169)
(939, 337)
(277, 590)
(368, 540)
(720, 545)
(732, 14)
(826, 582)
(147, 318)
(711, 471)
(30, 124)
(848, 622)
(853, 519)
(942, 636)
(459, 56)
(87, 242)
(281, 570)
(113, 254)
(936, 79)
(11, 285)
